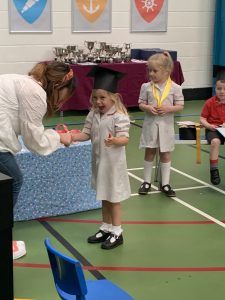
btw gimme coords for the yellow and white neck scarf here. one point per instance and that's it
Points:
(164, 94)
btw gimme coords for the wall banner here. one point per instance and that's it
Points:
(149, 15)
(30, 16)
(91, 15)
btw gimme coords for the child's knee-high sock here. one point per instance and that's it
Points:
(148, 165)
(165, 172)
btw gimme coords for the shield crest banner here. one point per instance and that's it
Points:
(30, 10)
(91, 10)
(91, 15)
(30, 15)
(149, 15)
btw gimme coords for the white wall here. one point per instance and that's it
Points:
(190, 33)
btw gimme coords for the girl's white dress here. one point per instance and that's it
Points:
(158, 131)
(109, 166)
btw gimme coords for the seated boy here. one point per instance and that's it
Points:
(213, 116)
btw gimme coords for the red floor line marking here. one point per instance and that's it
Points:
(130, 222)
(130, 269)
(29, 265)
(69, 221)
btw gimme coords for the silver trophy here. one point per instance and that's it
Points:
(90, 45)
(58, 51)
(127, 47)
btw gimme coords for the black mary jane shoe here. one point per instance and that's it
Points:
(112, 241)
(215, 176)
(167, 190)
(98, 237)
(144, 188)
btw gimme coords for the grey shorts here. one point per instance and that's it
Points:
(210, 135)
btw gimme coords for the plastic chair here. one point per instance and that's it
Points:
(70, 282)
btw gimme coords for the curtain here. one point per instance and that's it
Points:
(219, 37)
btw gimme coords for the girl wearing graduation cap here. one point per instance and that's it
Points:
(107, 125)
(212, 117)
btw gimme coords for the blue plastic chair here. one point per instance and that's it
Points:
(70, 282)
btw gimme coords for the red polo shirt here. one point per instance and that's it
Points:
(214, 111)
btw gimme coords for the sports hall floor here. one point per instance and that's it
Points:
(173, 249)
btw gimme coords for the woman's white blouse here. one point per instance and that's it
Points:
(22, 109)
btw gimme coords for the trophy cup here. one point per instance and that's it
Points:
(58, 51)
(81, 56)
(127, 47)
(90, 45)
(102, 46)
(64, 55)
(97, 58)
(109, 53)
(114, 53)
(70, 53)
(119, 56)
(74, 54)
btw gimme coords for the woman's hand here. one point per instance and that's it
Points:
(65, 138)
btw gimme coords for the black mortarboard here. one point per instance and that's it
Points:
(219, 72)
(105, 79)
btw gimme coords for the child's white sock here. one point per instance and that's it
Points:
(106, 227)
(117, 230)
(165, 172)
(148, 165)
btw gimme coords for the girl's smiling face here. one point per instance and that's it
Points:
(101, 99)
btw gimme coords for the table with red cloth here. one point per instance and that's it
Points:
(129, 86)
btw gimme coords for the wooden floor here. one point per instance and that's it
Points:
(173, 248)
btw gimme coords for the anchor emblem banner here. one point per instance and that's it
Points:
(149, 15)
(91, 15)
(30, 15)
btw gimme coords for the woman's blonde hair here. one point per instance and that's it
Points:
(163, 60)
(116, 99)
(53, 76)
